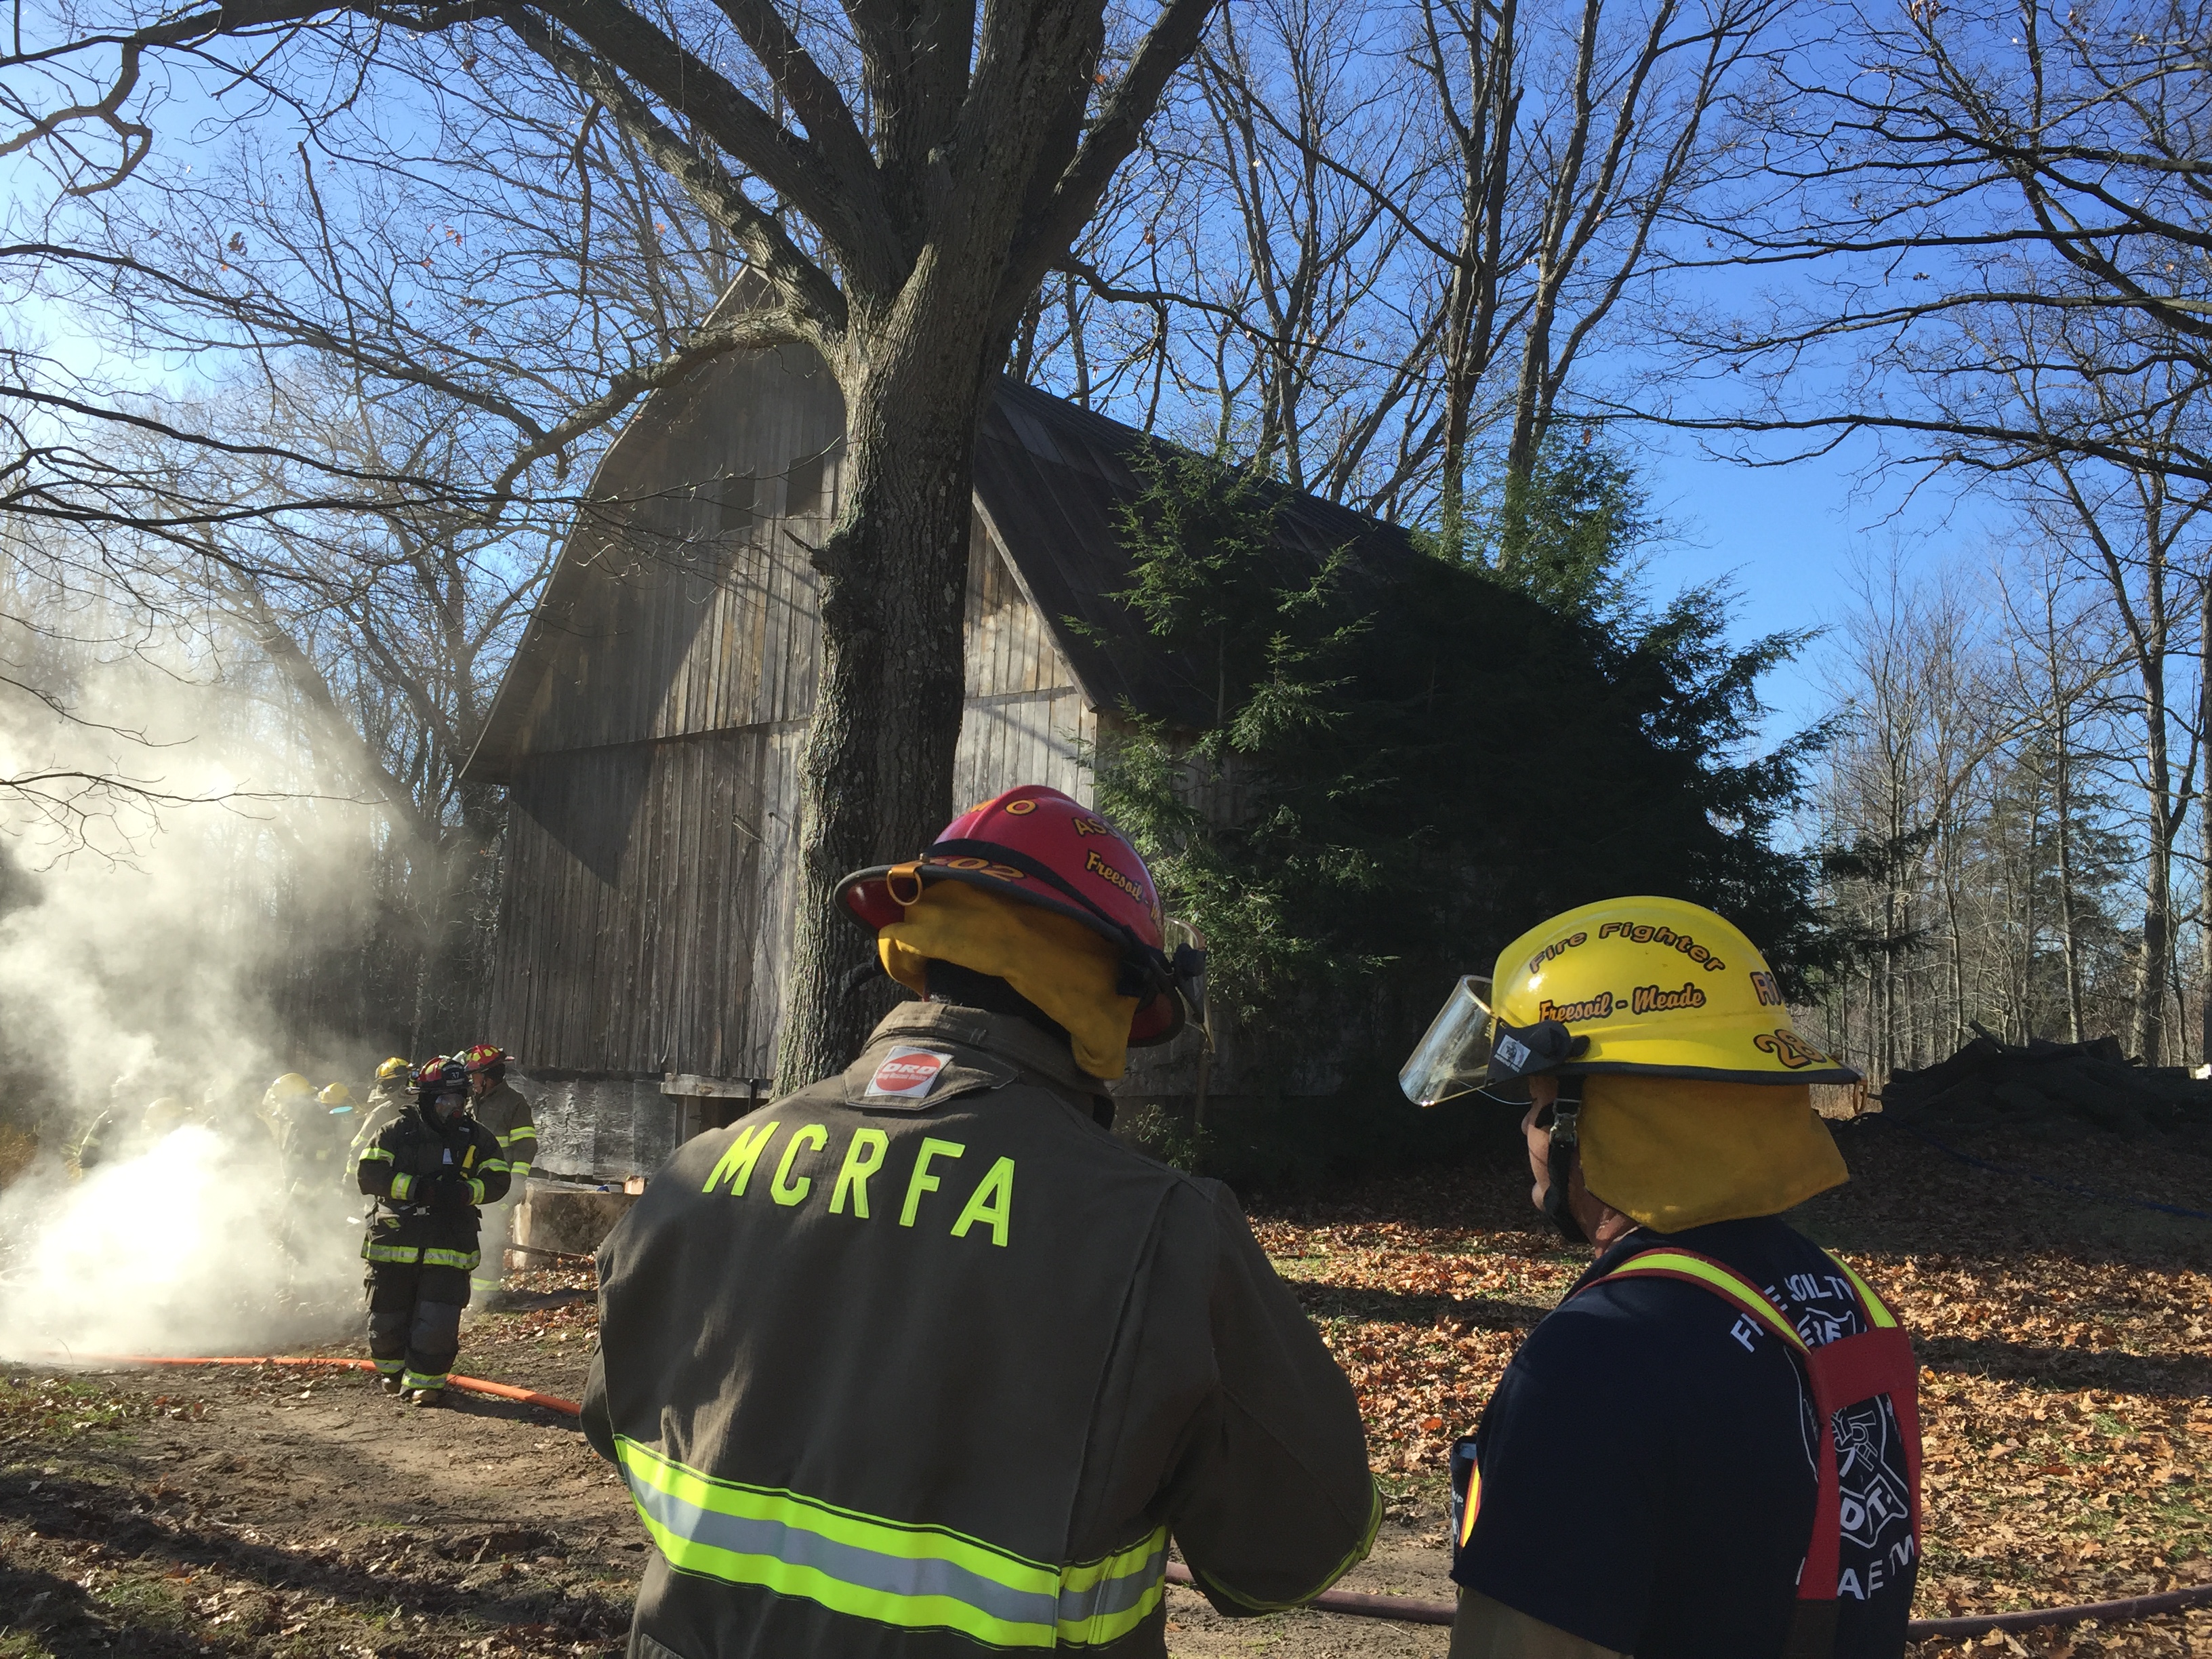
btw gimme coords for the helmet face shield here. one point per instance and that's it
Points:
(1454, 1058)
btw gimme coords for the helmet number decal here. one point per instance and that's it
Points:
(997, 871)
(908, 1072)
(1790, 1048)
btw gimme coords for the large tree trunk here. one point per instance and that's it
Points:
(877, 782)
(2204, 825)
(2147, 1035)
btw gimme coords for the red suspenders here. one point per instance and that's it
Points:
(1877, 1361)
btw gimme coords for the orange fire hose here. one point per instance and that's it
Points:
(1404, 1608)
(552, 1402)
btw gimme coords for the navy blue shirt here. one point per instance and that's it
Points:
(1648, 1469)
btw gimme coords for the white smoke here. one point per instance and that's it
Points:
(140, 927)
(187, 1248)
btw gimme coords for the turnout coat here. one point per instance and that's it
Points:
(922, 1361)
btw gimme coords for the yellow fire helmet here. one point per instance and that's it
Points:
(336, 1095)
(163, 1115)
(290, 1086)
(397, 1066)
(1649, 985)
(1645, 987)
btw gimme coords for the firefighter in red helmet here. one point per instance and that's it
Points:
(922, 1360)
(505, 1110)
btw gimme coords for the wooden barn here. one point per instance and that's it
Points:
(648, 731)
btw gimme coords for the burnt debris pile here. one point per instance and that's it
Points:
(2061, 1089)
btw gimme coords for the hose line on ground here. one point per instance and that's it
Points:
(1404, 1608)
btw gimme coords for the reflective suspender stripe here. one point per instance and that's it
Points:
(1472, 1507)
(915, 1577)
(1702, 1270)
(1684, 1264)
(1877, 1316)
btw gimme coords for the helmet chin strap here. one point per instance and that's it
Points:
(1559, 1168)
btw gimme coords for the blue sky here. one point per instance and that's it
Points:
(1789, 536)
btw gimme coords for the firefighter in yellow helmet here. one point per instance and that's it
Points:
(390, 1095)
(922, 1360)
(278, 1100)
(118, 1134)
(1712, 1445)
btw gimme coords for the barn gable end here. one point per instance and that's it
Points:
(649, 734)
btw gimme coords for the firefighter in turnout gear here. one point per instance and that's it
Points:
(391, 1093)
(1712, 1446)
(427, 1170)
(921, 1360)
(501, 1108)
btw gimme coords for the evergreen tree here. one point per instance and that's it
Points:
(1412, 759)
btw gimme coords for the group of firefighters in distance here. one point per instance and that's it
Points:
(442, 1150)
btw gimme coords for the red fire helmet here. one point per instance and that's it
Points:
(1036, 845)
(483, 1057)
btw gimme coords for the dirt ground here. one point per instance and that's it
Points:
(283, 1513)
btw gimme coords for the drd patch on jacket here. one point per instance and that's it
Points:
(909, 1077)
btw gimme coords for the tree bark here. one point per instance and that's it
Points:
(2204, 822)
(878, 769)
(2063, 799)
(2146, 1031)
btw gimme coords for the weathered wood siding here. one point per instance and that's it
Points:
(1025, 719)
(651, 862)
(697, 610)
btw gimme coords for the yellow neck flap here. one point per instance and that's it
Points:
(1054, 961)
(1677, 1152)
